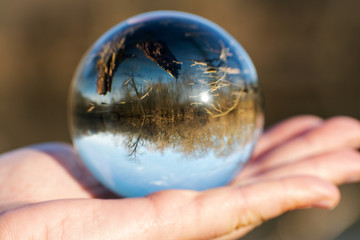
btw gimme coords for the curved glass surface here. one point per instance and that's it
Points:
(165, 100)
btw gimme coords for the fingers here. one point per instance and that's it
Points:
(294, 195)
(338, 167)
(171, 214)
(284, 132)
(334, 134)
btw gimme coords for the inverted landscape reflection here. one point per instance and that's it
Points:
(165, 100)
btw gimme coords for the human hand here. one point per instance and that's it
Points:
(46, 192)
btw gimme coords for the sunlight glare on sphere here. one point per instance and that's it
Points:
(204, 97)
(165, 100)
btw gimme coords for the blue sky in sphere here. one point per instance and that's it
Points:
(153, 170)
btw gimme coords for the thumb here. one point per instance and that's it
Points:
(224, 213)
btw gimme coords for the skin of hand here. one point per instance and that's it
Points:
(46, 192)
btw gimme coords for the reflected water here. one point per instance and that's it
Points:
(165, 100)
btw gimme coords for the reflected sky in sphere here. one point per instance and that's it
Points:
(156, 170)
(165, 100)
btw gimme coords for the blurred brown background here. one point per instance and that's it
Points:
(307, 56)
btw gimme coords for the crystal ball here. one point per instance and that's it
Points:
(165, 100)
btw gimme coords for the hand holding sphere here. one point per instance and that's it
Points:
(179, 109)
(48, 187)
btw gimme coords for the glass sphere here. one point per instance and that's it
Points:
(165, 100)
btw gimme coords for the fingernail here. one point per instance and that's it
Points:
(325, 203)
(352, 179)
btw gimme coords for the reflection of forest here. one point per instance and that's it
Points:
(162, 120)
(189, 105)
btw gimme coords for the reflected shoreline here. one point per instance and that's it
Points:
(193, 134)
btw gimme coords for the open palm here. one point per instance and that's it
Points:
(46, 192)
